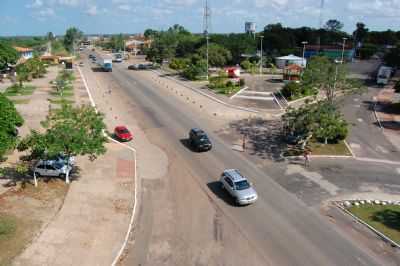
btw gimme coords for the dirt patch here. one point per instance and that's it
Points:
(25, 213)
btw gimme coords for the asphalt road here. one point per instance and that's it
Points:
(281, 229)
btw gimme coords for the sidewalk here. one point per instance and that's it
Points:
(92, 223)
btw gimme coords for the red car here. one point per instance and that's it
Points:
(122, 133)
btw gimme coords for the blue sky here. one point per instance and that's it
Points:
(36, 17)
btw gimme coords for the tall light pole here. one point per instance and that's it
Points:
(261, 54)
(207, 39)
(304, 50)
(344, 44)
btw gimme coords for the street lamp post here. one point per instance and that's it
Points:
(344, 44)
(207, 38)
(304, 49)
(261, 54)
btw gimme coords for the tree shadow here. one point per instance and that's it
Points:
(388, 217)
(264, 138)
(13, 177)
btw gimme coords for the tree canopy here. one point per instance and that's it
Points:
(72, 35)
(333, 25)
(70, 131)
(8, 55)
(10, 119)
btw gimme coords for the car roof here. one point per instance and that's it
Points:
(197, 130)
(234, 174)
(120, 127)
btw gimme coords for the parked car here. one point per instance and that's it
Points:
(238, 187)
(133, 67)
(61, 158)
(199, 140)
(51, 168)
(122, 133)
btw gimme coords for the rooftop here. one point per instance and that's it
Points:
(23, 49)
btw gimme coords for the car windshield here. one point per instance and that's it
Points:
(123, 131)
(58, 165)
(241, 185)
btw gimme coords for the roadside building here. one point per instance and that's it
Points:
(292, 73)
(50, 59)
(25, 53)
(284, 61)
(333, 52)
(137, 44)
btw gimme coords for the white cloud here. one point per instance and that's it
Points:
(92, 11)
(69, 2)
(125, 7)
(35, 4)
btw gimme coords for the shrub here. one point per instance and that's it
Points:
(397, 86)
(291, 90)
(246, 64)
(179, 63)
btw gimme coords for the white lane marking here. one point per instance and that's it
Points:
(116, 259)
(258, 92)
(360, 120)
(239, 92)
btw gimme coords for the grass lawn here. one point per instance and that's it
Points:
(67, 93)
(339, 149)
(60, 101)
(21, 218)
(385, 219)
(329, 149)
(20, 101)
(18, 91)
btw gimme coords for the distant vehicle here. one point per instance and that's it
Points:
(384, 74)
(133, 67)
(238, 187)
(106, 64)
(51, 168)
(81, 64)
(199, 140)
(91, 56)
(122, 133)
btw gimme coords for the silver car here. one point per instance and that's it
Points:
(51, 168)
(238, 187)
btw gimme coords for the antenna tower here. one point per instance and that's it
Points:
(207, 29)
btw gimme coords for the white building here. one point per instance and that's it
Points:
(284, 61)
(25, 53)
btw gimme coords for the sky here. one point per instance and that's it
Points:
(37, 17)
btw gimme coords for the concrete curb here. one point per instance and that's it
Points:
(209, 96)
(132, 219)
(320, 156)
(383, 236)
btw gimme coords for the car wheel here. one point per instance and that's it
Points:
(62, 176)
(36, 174)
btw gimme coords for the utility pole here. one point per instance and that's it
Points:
(304, 50)
(206, 31)
(261, 54)
(344, 44)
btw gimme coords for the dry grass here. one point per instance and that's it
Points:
(24, 212)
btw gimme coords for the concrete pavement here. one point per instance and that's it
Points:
(166, 120)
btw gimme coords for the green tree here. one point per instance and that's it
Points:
(367, 50)
(333, 25)
(321, 120)
(10, 120)
(392, 58)
(72, 36)
(8, 55)
(218, 55)
(50, 36)
(360, 33)
(23, 74)
(35, 67)
(71, 131)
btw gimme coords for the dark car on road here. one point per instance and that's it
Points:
(199, 140)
